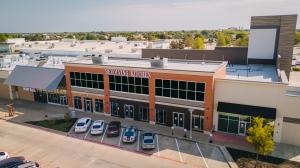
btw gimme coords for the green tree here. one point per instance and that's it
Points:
(220, 39)
(297, 38)
(228, 39)
(91, 36)
(242, 41)
(260, 136)
(188, 40)
(177, 44)
(198, 43)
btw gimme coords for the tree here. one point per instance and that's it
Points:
(188, 40)
(242, 41)
(228, 39)
(91, 36)
(260, 136)
(198, 43)
(297, 38)
(177, 44)
(221, 39)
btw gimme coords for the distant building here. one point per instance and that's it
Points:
(7, 47)
(16, 41)
(118, 39)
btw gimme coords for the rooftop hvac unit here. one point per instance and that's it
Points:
(99, 59)
(158, 62)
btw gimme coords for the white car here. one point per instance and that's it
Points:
(83, 124)
(97, 127)
(3, 155)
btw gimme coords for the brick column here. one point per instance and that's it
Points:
(208, 108)
(152, 100)
(68, 88)
(106, 100)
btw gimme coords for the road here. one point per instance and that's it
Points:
(58, 151)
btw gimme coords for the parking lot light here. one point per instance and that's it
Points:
(185, 133)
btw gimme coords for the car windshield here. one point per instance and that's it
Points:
(148, 139)
(96, 126)
(128, 133)
(2, 153)
(80, 124)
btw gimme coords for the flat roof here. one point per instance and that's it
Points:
(173, 64)
(251, 72)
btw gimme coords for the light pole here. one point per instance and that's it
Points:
(191, 122)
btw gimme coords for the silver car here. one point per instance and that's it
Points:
(148, 141)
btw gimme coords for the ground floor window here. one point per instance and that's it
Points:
(77, 102)
(144, 113)
(129, 111)
(57, 98)
(160, 116)
(198, 122)
(98, 105)
(40, 96)
(115, 109)
(234, 123)
(88, 104)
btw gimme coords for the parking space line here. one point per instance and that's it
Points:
(103, 135)
(121, 137)
(158, 153)
(201, 155)
(88, 131)
(138, 144)
(178, 150)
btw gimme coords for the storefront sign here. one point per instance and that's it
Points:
(121, 72)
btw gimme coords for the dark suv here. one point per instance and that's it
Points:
(113, 128)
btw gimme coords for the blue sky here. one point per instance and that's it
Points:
(135, 15)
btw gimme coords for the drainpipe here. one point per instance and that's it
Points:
(191, 122)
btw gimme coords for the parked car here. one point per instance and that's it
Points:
(148, 141)
(113, 128)
(83, 124)
(3, 155)
(130, 134)
(97, 127)
(18, 162)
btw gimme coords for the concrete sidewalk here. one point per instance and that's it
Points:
(29, 111)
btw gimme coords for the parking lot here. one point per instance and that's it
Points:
(189, 153)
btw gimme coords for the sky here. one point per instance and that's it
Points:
(135, 15)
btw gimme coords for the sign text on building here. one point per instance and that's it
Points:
(121, 72)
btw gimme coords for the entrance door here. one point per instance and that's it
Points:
(198, 122)
(129, 110)
(242, 128)
(178, 119)
(88, 106)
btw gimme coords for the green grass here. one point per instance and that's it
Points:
(59, 125)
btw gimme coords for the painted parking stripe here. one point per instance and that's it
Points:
(178, 150)
(104, 133)
(121, 137)
(158, 153)
(201, 155)
(88, 131)
(138, 143)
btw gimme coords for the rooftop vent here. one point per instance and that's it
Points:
(99, 59)
(158, 62)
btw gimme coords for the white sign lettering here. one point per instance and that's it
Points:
(120, 72)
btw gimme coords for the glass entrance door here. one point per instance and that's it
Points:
(98, 105)
(129, 110)
(242, 128)
(198, 122)
(88, 106)
(115, 109)
(178, 119)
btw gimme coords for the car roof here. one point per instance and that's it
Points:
(83, 119)
(97, 122)
(148, 134)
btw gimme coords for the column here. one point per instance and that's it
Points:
(152, 100)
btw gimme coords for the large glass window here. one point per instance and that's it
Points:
(160, 116)
(180, 89)
(77, 102)
(144, 113)
(129, 84)
(88, 80)
(98, 105)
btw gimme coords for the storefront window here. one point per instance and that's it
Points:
(88, 80)
(180, 89)
(98, 105)
(160, 116)
(77, 102)
(143, 113)
(129, 84)
(115, 109)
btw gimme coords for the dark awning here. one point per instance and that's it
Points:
(255, 111)
(35, 77)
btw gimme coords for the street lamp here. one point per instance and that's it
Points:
(172, 130)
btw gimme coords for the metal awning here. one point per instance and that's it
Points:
(265, 112)
(35, 77)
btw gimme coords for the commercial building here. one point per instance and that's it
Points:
(169, 92)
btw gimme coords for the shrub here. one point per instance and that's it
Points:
(297, 68)
(67, 117)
